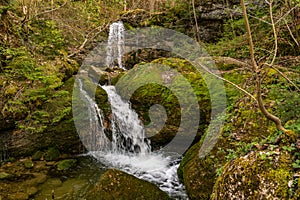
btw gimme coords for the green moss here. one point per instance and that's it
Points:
(255, 177)
(66, 164)
(52, 154)
(28, 164)
(168, 82)
(37, 155)
(115, 184)
(4, 175)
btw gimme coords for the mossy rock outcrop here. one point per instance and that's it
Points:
(211, 17)
(245, 130)
(179, 90)
(258, 175)
(198, 174)
(55, 127)
(115, 184)
(135, 18)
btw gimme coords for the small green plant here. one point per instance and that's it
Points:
(296, 164)
(289, 148)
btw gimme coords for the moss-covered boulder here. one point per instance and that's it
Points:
(179, 90)
(198, 174)
(245, 130)
(115, 184)
(51, 126)
(258, 175)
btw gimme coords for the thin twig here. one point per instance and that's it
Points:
(286, 14)
(284, 76)
(251, 46)
(87, 38)
(291, 33)
(227, 81)
(229, 60)
(274, 33)
(195, 18)
(258, 75)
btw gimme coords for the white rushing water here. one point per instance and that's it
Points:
(95, 136)
(115, 44)
(128, 133)
(128, 149)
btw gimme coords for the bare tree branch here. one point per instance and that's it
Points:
(80, 48)
(291, 33)
(199, 62)
(255, 67)
(274, 32)
(196, 22)
(284, 76)
(286, 14)
(47, 11)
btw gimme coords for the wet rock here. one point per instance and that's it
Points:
(18, 196)
(38, 179)
(52, 154)
(37, 155)
(28, 164)
(66, 164)
(115, 184)
(4, 175)
(31, 191)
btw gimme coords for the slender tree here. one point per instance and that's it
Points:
(257, 70)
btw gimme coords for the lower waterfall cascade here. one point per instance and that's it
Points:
(129, 150)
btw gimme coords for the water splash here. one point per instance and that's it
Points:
(128, 134)
(93, 137)
(115, 45)
(155, 167)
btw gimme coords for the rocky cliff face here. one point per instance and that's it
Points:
(211, 16)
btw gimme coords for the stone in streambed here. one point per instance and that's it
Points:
(4, 175)
(28, 164)
(66, 164)
(52, 154)
(115, 184)
(39, 178)
(37, 155)
(31, 191)
(18, 196)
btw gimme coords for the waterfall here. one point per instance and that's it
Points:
(128, 133)
(128, 148)
(95, 137)
(115, 44)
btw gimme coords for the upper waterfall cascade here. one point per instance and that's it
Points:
(115, 44)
